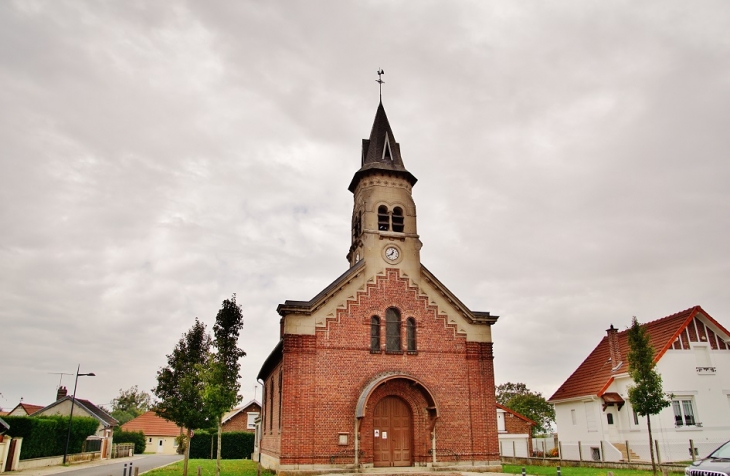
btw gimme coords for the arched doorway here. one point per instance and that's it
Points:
(393, 435)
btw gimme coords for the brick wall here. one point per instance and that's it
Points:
(324, 374)
(239, 422)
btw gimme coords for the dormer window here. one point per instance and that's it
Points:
(387, 155)
(398, 219)
(383, 218)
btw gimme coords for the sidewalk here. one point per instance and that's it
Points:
(73, 467)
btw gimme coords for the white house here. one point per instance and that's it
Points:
(692, 352)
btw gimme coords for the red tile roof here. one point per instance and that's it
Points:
(152, 425)
(593, 376)
(518, 415)
(28, 408)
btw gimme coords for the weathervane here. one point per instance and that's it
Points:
(380, 82)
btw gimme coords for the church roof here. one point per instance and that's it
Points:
(381, 152)
(595, 375)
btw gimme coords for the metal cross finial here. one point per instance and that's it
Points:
(380, 82)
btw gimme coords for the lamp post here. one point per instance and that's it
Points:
(73, 403)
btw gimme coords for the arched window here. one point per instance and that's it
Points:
(411, 334)
(392, 330)
(281, 385)
(356, 226)
(383, 218)
(271, 404)
(398, 219)
(375, 334)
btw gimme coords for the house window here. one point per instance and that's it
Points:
(383, 218)
(636, 417)
(590, 417)
(609, 418)
(150, 441)
(500, 422)
(392, 330)
(684, 414)
(375, 334)
(251, 420)
(573, 418)
(411, 334)
(398, 219)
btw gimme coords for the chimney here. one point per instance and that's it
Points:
(62, 392)
(613, 348)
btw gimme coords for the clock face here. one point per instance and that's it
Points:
(392, 253)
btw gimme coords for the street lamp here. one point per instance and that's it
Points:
(73, 403)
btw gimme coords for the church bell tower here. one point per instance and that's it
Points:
(384, 231)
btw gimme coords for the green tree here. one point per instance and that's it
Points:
(130, 404)
(517, 397)
(181, 386)
(222, 386)
(646, 395)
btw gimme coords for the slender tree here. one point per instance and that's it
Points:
(646, 395)
(181, 386)
(222, 386)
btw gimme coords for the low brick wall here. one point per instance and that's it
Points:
(57, 460)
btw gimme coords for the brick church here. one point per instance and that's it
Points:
(385, 367)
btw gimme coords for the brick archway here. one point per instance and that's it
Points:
(417, 399)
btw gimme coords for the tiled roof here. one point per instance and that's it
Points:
(518, 415)
(30, 408)
(152, 425)
(593, 376)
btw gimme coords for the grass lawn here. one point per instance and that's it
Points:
(229, 467)
(569, 471)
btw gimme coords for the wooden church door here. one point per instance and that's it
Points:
(393, 426)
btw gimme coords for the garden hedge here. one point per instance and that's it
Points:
(136, 437)
(46, 435)
(234, 444)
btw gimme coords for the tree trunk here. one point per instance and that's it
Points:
(218, 455)
(187, 454)
(651, 446)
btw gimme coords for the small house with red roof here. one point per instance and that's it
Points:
(242, 418)
(160, 434)
(692, 354)
(514, 432)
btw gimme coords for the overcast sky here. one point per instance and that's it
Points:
(157, 157)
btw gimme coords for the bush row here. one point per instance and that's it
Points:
(234, 444)
(46, 435)
(136, 437)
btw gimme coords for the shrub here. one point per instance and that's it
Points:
(234, 445)
(136, 437)
(46, 435)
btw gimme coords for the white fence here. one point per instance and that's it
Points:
(665, 451)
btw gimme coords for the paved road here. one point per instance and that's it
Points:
(113, 467)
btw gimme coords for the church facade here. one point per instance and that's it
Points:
(385, 367)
